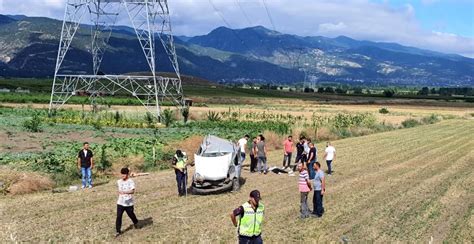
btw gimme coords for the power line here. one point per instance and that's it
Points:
(220, 14)
(268, 14)
(227, 23)
(243, 12)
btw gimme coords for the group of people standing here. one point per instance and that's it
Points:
(248, 217)
(311, 177)
(307, 153)
(258, 153)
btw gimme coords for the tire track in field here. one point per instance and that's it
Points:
(454, 203)
(382, 159)
(463, 227)
(433, 189)
(386, 171)
(361, 200)
(412, 190)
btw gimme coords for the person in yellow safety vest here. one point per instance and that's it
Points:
(179, 165)
(248, 219)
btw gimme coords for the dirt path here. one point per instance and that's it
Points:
(407, 185)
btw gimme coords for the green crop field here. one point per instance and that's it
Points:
(410, 185)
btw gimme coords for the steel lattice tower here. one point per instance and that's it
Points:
(150, 19)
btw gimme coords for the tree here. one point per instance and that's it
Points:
(340, 90)
(389, 92)
(167, 117)
(307, 90)
(329, 90)
(433, 91)
(358, 90)
(424, 91)
(321, 90)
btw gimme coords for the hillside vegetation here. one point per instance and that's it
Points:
(409, 185)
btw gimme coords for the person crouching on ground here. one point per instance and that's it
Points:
(250, 219)
(179, 165)
(319, 184)
(304, 186)
(126, 189)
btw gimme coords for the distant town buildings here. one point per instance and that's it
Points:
(21, 90)
(17, 90)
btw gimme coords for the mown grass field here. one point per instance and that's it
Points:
(410, 185)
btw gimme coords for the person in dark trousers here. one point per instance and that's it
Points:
(312, 158)
(261, 151)
(253, 159)
(330, 156)
(299, 152)
(319, 185)
(179, 165)
(248, 219)
(126, 189)
(85, 162)
(287, 151)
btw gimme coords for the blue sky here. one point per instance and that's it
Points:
(453, 16)
(440, 25)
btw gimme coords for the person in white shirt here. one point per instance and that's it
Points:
(126, 189)
(242, 145)
(330, 156)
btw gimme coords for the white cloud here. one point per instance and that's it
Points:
(359, 19)
(330, 28)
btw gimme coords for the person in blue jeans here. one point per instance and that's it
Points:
(319, 185)
(312, 158)
(85, 162)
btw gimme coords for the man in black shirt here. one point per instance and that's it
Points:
(300, 151)
(85, 162)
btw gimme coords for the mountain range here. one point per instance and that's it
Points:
(28, 48)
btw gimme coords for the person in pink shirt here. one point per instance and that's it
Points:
(304, 186)
(287, 150)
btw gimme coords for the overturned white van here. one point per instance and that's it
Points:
(217, 166)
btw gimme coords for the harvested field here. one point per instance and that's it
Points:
(406, 185)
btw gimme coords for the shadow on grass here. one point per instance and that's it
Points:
(141, 224)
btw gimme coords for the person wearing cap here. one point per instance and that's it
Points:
(248, 219)
(179, 165)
